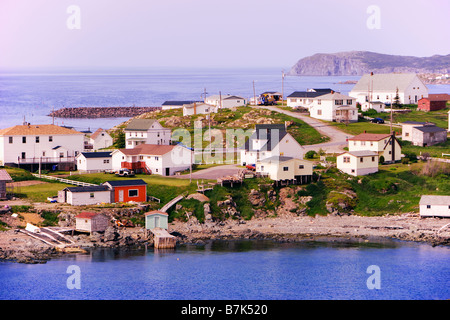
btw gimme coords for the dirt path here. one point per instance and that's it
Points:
(338, 139)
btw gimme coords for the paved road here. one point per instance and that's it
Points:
(338, 139)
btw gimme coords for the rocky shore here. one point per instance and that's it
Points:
(18, 247)
(101, 112)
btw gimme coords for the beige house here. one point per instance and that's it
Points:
(287, 169)
(434, 206)
(408, 126)
(199, 108)
(358, 163)
(385, 145)
(334, 107)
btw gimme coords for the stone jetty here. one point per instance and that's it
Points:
(101, 112)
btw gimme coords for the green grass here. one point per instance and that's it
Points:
(362, 126)
(434, 151)
(40, 192)
(439, 117)
(18, 174)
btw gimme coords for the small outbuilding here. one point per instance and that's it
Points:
(434, 206)
(4, 178)
(428, 135)
(156, 219)
(91, 222)
(358, 163)
(83, 196)
(433, 102)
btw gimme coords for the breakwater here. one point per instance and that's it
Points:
(101, 112)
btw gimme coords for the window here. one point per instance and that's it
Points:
(319, 102)
(387, 97)
(24, 139)
(373, 159)
(371, 143)
(361, 159)
(346, 159)
(133, 193)
(106, 161)
(319, 112)
(349, 102)
(301, 166)
(23, 155)
(262, 168)
(339, 102)
(61, 154)
(37, 139)
(378, 97)
(50, 138)
(353, 170)
(43, 154)
(363, 143)
(156, 158)
(10, 139)
(91, 195)
(129, 143)
(141, 157)
(285, 168)
(428, 206)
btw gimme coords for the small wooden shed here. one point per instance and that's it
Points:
(156, 219)
(4, 178)
(91, 222)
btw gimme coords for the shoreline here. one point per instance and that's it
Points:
(18, 247)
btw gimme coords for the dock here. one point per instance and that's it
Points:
(162, 239)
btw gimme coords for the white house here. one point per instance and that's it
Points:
(94, 161)
(33, 144)
(434, 206)
(153, 159)
(225, 101)
(385, 145)
(383, 88)
(378, 106)
(199, 108)
(270, 140)
(82, 196)
(358, 163)
(100, 139)
(334, 107)
(280, 168)
(305, 98)
(146, 131)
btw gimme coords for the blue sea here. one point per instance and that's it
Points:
(239, 270)
(32, 95)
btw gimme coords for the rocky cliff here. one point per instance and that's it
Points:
(355, 63)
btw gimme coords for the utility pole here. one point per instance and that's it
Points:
(254, 93)
(282, 88)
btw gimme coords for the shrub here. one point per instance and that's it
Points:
(405, 160)
(381, 159)
(310, 154)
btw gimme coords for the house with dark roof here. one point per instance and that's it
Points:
(83, 196)
(270, 140)
(424, 136)
(146, 131)
(407, 127)
(304, 99)
(176, 104)
(127, 190)
(94, 161)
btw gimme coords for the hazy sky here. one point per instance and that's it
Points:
(213, 33)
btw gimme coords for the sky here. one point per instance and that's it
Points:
(213, 33)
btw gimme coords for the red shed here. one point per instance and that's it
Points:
(433, 102)
(127, 190)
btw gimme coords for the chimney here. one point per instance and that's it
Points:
(371, 73)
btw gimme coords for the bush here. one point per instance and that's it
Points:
(310, 154)
(381, 160)
(405, 160)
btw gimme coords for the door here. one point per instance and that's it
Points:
(167, 171)
(157, 222)
(120, 195)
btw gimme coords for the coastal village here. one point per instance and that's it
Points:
(316, 163)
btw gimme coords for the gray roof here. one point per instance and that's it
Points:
(436, 200)
(87, 189)
(306, 94)
(362, 153)
(428, 129)
(97, 154)
(118, 183)
(4, 175)
(385, 82)
(178, 102)
(414, 122)
(273, 133)
(276, 159)
(140, 124)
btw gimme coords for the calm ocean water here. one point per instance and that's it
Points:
(239, 270)
(34, 95)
